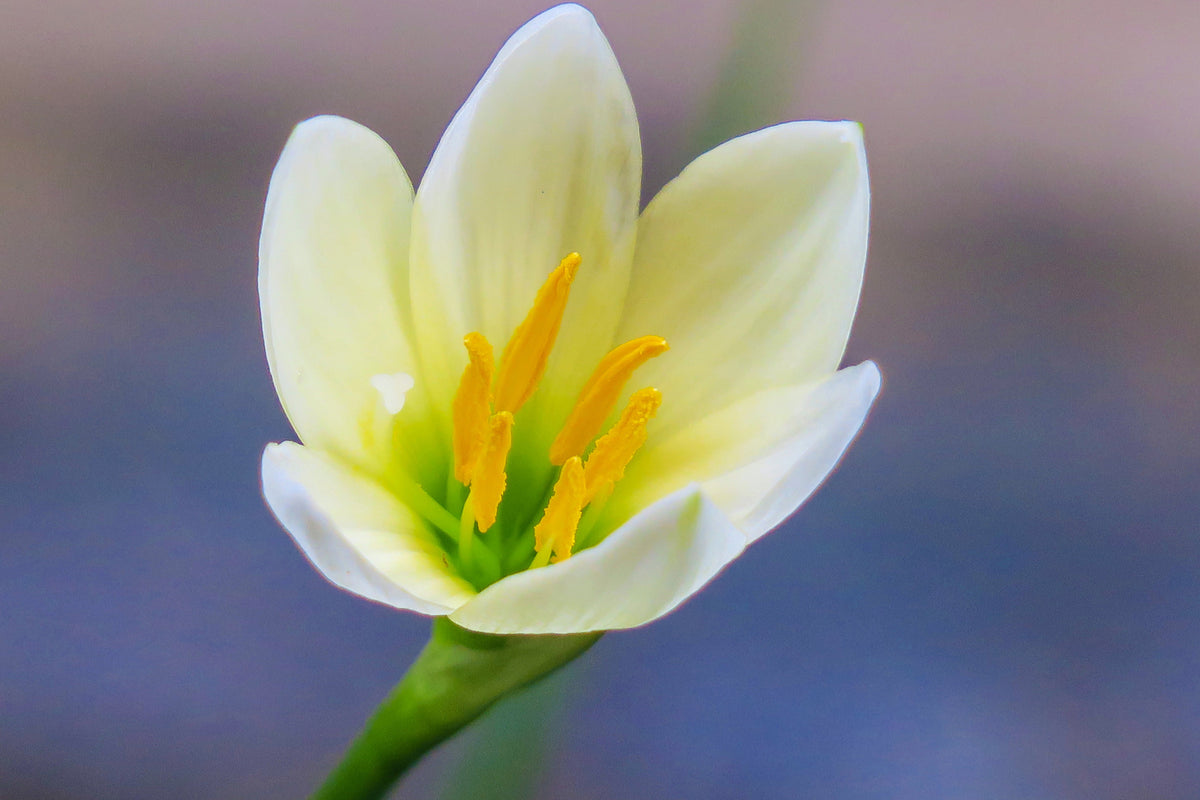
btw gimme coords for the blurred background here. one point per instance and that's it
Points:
(996, 596)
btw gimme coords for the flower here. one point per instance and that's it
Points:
(436, 479)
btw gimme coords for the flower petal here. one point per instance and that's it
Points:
(641, 571)
(750, 264)
(760, 458)
(332, 259)
(543, 159)
(357, 534)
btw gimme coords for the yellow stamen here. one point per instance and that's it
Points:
(471, 407)
(614, 450)
(488, 481)
(524, 358)
(600, 394)
(556, 532)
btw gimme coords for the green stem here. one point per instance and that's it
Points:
(457, 677)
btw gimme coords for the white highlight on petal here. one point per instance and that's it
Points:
(392, 389)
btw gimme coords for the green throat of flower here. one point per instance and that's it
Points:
(488, 397)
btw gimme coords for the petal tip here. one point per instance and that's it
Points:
(850, 132)
(324, 125)
(567, 19)
(872, 377)
(324, 129)
(568, 11)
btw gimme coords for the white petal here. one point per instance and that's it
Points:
(750, 264)
(332, 259)
(542, 160)
(357, 534)
(760, 458)
(641, 571)
(761, 494)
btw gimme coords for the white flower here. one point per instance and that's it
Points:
(749, 265)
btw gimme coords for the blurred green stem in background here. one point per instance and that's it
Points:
(457, 677)
(759, 72)
(507, 751)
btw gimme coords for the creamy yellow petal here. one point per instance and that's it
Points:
(643, 570)
(750, 264)
(542, 160)
(333, 266)
(760, 458)
(357, 534)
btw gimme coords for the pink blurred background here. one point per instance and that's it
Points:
(994, 597)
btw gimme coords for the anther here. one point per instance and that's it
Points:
(472, 406)
(600, 394)
(524, 358)
(489, 479)
(555, 534)
(615, 449)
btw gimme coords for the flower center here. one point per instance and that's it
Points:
(487, 399)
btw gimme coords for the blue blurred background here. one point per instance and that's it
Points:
(996, 596)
